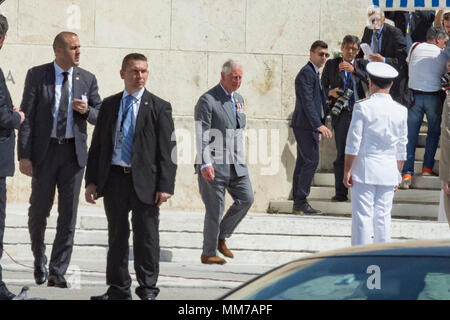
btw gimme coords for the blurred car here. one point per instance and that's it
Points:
(414, 270)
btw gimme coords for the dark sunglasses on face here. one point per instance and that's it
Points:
(321, 54)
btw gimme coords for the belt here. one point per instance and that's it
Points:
(62, 141)
(120, 169)
(433, 93)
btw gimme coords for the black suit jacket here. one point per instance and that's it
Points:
(38, 102)
(153, 147)
(393, 48)
(310, 100)
(333, 78)
(422, 21)
(9, 121)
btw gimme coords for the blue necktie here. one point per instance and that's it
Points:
(127, 129)
(233, 104)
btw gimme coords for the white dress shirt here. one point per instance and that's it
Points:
(58, 86)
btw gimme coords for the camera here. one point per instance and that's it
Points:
(445, 81)
(342, 102)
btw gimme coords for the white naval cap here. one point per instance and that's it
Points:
(381, 70)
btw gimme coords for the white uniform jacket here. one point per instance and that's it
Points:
(377, 136)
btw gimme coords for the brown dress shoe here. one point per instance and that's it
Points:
(212, 260)
(222, 247)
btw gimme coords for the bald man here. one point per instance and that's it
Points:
(59, 99)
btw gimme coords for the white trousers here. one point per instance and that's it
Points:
(371, 212)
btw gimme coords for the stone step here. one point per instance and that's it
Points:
(418, 165)
(178, 222)
(426, 182)
(403, 210)
(424, 127)
(419, 181)
(411, 195)
(260, 238)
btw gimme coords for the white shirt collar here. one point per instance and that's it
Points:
(59, 70)
(226, 92)
(137, 95)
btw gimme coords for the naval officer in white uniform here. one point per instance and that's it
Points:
(374, 156)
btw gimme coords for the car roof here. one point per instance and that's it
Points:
(416, 248)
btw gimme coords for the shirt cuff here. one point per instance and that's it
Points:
(401, 156)
(351, 151)
(206, 165)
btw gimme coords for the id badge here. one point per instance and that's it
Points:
(119, 140)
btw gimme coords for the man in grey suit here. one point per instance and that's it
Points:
(59, 99)
(220, 161)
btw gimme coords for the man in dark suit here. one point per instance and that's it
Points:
(130, 164)
(10, 119)
(388, 45)
(59, 99)
(343, 73)
(413, 24)
(308, 123)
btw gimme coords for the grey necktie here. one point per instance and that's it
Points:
(376, 41)
(63, 108)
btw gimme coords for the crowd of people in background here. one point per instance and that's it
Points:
(416, 53)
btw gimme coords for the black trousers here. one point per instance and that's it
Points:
(2, 219)
(119, 199)
(59, 169)
(340, 124)
(306, 165)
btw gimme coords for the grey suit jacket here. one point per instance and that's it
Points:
(37, 103)
(219, 133)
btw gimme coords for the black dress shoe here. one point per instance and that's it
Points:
(338, 198)
(5, 294)
(57, 281)
(40, 274)
(148, 296)
(108, 297)
(304, 208)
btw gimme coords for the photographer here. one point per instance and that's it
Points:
(342, 80)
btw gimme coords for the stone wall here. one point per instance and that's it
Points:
(186, 42)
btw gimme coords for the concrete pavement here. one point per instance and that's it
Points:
(177, 281)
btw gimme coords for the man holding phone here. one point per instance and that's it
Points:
(58, 99)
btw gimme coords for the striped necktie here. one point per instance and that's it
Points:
(127, 129)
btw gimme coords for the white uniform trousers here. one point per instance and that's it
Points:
(371, 212)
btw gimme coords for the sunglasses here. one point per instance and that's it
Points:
(321, 54)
